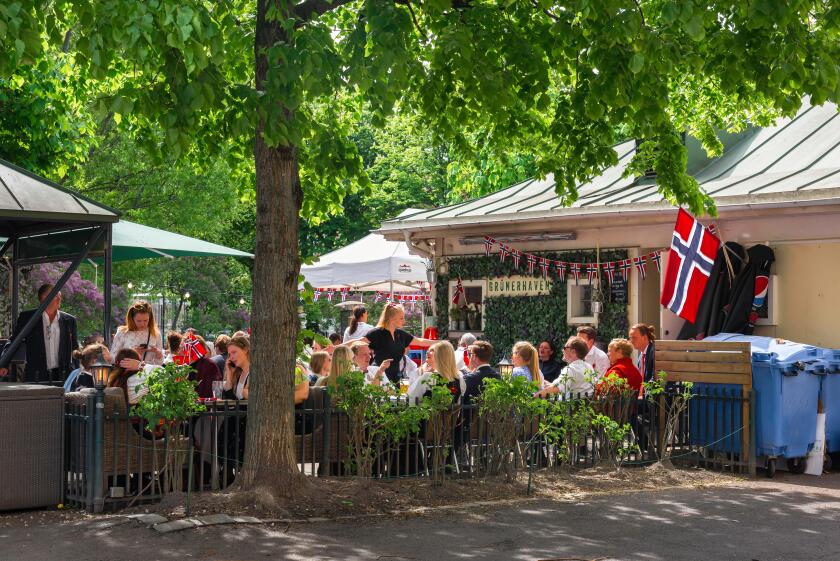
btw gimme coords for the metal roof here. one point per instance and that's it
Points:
(796, 159)
(30, 203)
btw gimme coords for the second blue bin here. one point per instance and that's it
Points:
(786, 395)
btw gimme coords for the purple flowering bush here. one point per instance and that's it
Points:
(79, 297)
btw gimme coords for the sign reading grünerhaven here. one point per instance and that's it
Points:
(518, 286)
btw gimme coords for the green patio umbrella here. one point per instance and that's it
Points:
(135, 241)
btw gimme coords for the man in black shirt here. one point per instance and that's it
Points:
(480, 353)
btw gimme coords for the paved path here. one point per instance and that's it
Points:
(795, 519)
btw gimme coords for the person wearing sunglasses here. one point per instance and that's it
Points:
(577, 377)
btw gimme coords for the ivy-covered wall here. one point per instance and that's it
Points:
(508, 319)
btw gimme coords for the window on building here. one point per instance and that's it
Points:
(579, 303)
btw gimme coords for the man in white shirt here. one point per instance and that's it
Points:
(50, 345)
(578, 377)
(596, 358)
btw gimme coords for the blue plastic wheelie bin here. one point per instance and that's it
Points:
(830, 396)
(786, 395)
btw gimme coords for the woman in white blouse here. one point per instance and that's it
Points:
(358, 327)
(440, 359)
(140, 333)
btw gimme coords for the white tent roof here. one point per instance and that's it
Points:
(371, 263)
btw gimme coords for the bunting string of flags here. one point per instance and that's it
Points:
(608, 270)
(328, 293)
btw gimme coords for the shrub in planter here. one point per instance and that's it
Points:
(171, 400)
(504, 404)
(375, 422)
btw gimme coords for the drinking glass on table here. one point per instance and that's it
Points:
(218, 389)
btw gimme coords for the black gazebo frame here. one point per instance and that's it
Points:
(44, 222)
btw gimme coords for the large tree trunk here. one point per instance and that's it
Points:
(269, 452)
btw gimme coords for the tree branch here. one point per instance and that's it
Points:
(546, 12)
(310, 9)
(641, 14)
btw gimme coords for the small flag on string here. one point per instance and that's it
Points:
(561, 270)
(624, 267)
(503, 252)
(609, 270)
(641, 265)
(378, 297)
(544, 266)
(329, 295)
(344, 292)
(575, 270)
(459, 292)
(488, 245)
(591, 271)
(316, 295)
(517, 255)
(656, 257)
(532, 261)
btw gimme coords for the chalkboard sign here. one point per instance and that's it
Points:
(618, 291)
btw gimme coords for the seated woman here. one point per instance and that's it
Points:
(621, 367)
(319, 365)
(127, 363)
(87, 357)
(440, 359)
(341, 363)
(577, 377)
(526, 363)
(238, 368)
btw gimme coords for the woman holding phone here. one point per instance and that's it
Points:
(140, 333)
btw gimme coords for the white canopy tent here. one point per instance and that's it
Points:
(369, 264)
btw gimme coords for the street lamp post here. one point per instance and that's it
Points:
(100, 371)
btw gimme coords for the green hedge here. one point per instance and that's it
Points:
(508, 319)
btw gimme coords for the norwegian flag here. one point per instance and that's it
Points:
(503, 252)
(192, 349)
(624, 267)
(378, 297)
(459, 292)
(316, 295)
(344, 292)
(517, 255)
(561, 270)
(544, 266)
(329, 295)
(713, 230)
(488, 245)
(532, 261)
(609, 270)
(641, 265)
(656, 257)
(575, 270)
(693, 251)
(591, 271)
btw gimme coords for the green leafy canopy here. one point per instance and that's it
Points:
(552, 79)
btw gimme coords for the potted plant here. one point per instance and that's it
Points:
(454, 318)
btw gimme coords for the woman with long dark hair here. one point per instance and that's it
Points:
(358, 325)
